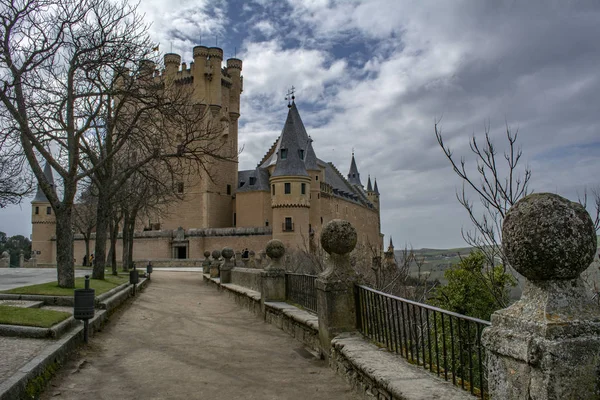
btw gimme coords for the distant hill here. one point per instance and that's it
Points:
(435, 261)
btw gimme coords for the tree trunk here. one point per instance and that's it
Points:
(114, 235)
(125, 240)
(131, 229)
(86, 239)
(65, 270)
(102, 222)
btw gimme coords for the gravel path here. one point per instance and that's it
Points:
(182, 339)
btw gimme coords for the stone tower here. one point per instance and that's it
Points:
(208, 197)
(43, 224)
(291, 184)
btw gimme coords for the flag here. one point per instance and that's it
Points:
(156, 48)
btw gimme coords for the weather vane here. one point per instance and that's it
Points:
(290, 97)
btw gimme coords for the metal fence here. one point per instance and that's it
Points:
(445, 343)
(301, 289)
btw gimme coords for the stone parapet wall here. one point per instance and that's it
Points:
(378, 374)
(246, 277)
(300, 324)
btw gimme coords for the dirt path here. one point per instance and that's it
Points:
(182, 339)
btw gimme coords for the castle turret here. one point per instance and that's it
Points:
(234, 69)
(172, 62)
(200, 72)
(290, 185)
(215, 58)
(43, 223)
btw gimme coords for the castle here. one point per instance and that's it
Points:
(289, 196)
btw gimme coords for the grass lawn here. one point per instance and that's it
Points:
(52, 289)
(31, 316)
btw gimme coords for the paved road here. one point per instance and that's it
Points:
(16, 277)
(182, 339)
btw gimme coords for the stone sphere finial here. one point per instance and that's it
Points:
(216, 254)
(275, 249)
(206, 253)
(547, 237)
(227, 253)
(338, 236)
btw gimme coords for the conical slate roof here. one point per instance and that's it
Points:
(353, 175)
(369, 186)
(40, 197)
(375, 188)
(290, 143)
(310, 161)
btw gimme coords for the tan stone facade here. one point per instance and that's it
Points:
(255, 206)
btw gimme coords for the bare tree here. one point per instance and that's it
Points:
(498, 184)
(84, 217)
(137, 130)
(594, 207)
(15, 181)
(53, 54)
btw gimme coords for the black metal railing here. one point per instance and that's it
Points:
(444, 342)
(301, 289)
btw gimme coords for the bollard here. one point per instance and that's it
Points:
(83, 306)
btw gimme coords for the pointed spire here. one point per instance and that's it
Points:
(353, 175)
(391, 244)
(375, 189)
(310, 161)
(290, 154)
(369, 186)
(39, 195)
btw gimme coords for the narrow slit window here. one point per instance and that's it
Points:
(287, 188)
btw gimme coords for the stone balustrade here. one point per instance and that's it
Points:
(546, 346)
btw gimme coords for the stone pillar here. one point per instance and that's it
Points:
(239, 263)
(273, 277)
(335, 286)
(5, 260)
(215, 264)
(227, 264)
(546, 346)
(206, 262)
(21, 259)
(263, 260)
(251, 263)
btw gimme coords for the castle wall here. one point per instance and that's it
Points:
(365, 220)
(158, 245)
(253, 209)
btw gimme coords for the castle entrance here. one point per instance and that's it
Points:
(180, 250)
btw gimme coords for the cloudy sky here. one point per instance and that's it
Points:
(373, 76)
